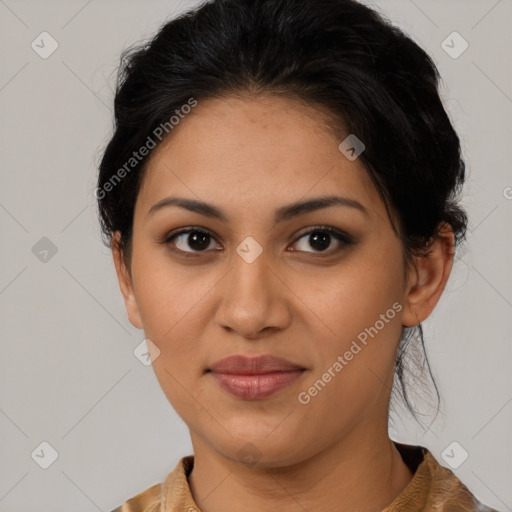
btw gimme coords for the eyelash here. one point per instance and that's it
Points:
(340, 236)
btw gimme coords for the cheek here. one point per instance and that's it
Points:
(354, 370)
(171, 305)
(353, 297)
(167, 295)
(173, 315)
(360, 303)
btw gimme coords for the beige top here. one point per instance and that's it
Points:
(433, 488)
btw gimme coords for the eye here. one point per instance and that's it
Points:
(195, 239)
(321, 238)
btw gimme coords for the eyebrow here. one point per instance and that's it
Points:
(281, 214)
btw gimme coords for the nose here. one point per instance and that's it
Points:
(254, 301)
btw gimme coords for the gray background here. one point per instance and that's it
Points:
(68, 375)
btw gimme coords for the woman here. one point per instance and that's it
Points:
(280, 197)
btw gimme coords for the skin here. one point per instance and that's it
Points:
(249, 156)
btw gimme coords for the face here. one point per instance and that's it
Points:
(320, 285)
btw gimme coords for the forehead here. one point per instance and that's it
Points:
(252, 153)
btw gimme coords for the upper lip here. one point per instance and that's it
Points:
(242, 365)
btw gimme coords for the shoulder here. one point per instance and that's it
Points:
(447, 492)
(172, 494)
(433, 487)
(147, 501)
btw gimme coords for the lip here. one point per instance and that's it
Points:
(253, 378)
(243, 365)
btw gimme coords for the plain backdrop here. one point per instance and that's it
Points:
(68, 375)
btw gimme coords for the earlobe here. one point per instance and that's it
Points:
(125, 282)
(428, 277)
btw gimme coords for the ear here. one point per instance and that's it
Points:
(125, 282)
(428, 277)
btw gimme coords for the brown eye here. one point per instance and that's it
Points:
(321, 239)
(191, 240)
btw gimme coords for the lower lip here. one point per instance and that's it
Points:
(254, 387)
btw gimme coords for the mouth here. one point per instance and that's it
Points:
(253, 378)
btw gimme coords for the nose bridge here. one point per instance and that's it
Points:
(250, 279)
(251, 298)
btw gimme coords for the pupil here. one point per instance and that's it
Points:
(320, 238)
(197, 240)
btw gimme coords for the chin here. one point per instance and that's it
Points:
(261, 450)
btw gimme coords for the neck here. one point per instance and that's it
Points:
(360, 473)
